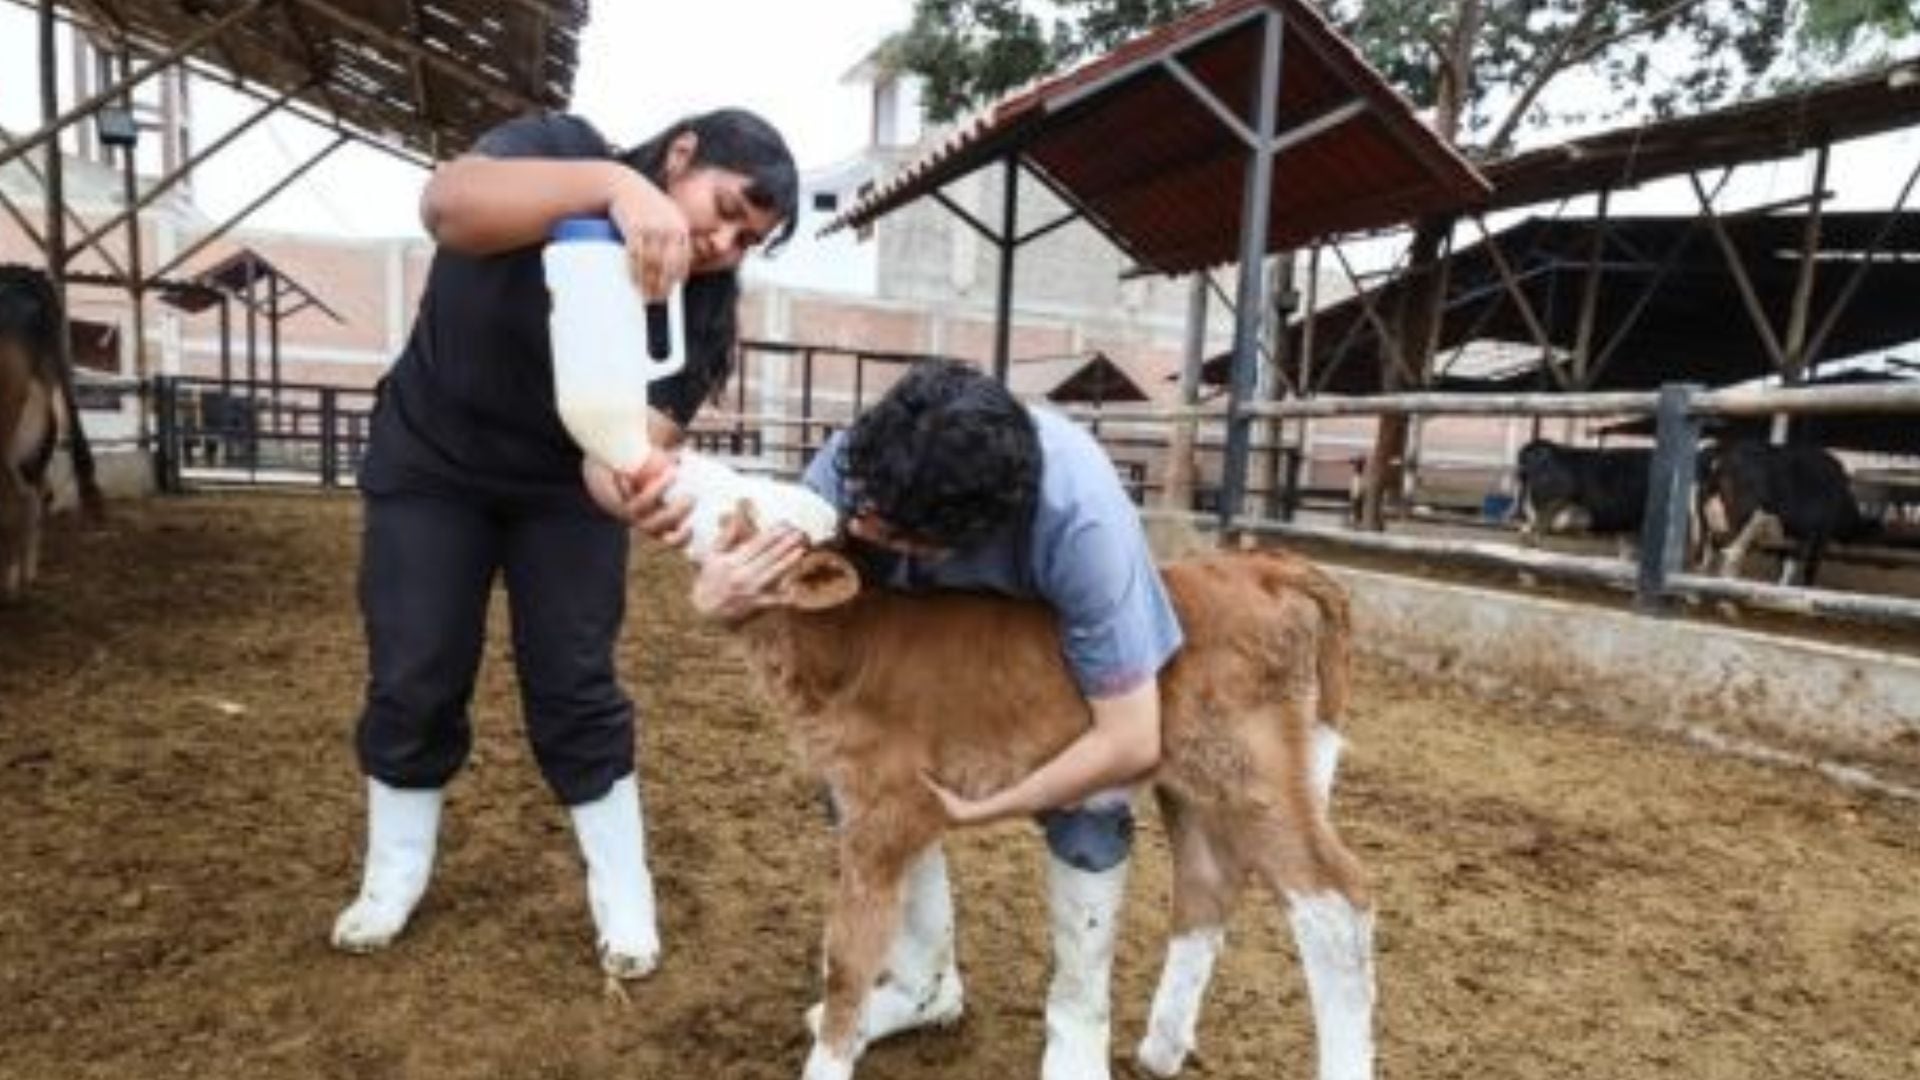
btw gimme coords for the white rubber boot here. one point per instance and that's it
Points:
(1085, 908)
(619, 890)
(403, 827)
(920, 986)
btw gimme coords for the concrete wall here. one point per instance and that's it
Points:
(1852, 712)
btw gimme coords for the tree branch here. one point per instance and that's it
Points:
(1563, 56)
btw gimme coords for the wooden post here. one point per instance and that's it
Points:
(1177, 492)
(1590, 296)
(1796, 346)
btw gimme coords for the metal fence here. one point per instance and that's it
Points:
(1661, 576)
(213, 433)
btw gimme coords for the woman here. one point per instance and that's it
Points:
(470, 473)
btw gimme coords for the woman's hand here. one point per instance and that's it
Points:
(655, 232)
(639, 498)
(738, 580)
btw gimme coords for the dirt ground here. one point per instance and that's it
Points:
(180, 819)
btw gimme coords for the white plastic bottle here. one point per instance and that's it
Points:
(598, 326)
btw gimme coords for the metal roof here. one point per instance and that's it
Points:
(1664, 291)
(1152, 166)
(428, 75)
(1091, 377)
(1777, 127)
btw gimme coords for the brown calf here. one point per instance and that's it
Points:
(880, 687)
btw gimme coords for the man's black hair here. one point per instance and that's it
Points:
(946, 458)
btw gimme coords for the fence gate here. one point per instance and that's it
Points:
(214, 433)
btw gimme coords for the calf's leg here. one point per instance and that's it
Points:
(920, 983)
(874, 857)
(1314, 875)
(14, 497)
(1204, 884)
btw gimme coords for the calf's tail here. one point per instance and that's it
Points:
(1333, 645)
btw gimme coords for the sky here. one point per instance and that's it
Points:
(644, 63)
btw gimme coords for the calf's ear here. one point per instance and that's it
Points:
(821, 580)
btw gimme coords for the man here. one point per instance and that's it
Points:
(950, 483)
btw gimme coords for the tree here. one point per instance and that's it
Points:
(1483, 66)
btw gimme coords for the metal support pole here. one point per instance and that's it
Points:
(1796, 369)
(1255, 209)
(273, 345)
(253, 373)
(265, 197)
(136, 287)
(56, 228)
(1003, 299)
(1663, 539)
(806, 406)
(329, 439)
(52, 125)
(160, 187)
(167, 448)
(226, 347)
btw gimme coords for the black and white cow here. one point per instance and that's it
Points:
(1750, 491)
(1564, 489)
(36, 407)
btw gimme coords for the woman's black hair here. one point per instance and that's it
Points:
(946, 458)
(738, 141)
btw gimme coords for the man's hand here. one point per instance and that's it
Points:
(740, 579)
(962, 811)
(639, 498)
(1120, 747)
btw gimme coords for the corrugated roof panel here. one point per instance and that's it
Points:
(1162, 175)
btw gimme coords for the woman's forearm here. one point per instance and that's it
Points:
(482, 206)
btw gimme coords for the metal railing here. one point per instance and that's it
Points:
(208, 432)
(1661, 577)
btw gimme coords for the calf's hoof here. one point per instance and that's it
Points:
(890, 1010)
(629, 962)
(824, 1064)
(368, 925)
(1160, 1057)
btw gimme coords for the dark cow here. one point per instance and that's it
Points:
(1750, 491)
(1563, 489)
(36, 405)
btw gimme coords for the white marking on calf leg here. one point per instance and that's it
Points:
(1327, 744)
(1734, 555)
(1176, 1001)
(1335, 941)
(921, 983)
(824, 1064)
